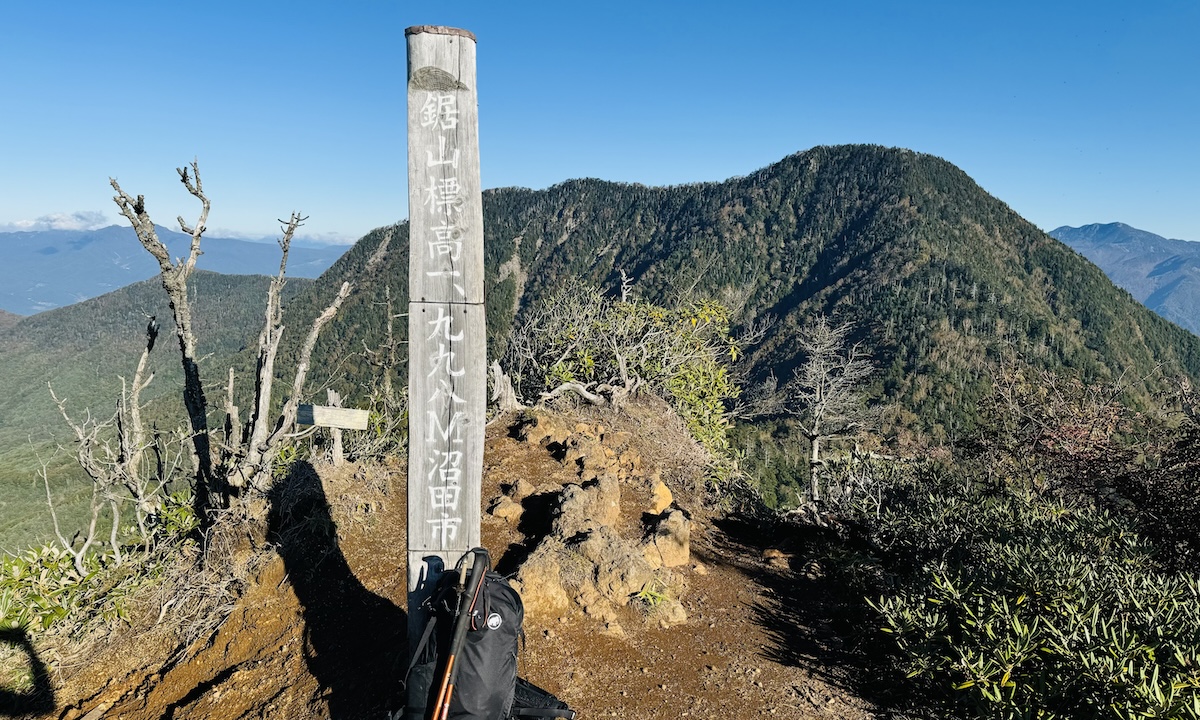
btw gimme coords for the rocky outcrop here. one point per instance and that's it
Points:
(613, 536)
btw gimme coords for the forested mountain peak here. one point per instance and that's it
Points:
(936, 274)
(1108, 233)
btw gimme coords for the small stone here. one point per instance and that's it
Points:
(617, 438)
(660, 498)
(521, 490)
(699, 569)
(507, 510)
(614, 629)
(776, 558)
(671, 540)
(671, 613)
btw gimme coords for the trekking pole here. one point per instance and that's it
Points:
(466, 603)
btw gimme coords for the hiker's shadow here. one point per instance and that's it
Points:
(354, 640)
(35, 700)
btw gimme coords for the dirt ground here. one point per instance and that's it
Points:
(319, 630)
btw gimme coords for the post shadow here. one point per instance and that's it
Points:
(36, 700)
(819, 623)
(354, 640)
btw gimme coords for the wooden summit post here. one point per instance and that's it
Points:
(447, 383)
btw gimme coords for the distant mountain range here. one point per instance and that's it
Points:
(1162, 274)
(47, 269)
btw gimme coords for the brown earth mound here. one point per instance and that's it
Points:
(641, 601)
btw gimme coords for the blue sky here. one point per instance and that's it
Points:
(1070, 112)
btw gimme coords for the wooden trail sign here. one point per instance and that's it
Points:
(333, 417)
(446, 334)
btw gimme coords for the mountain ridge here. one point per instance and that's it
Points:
(938, 277)
(1161, 273)
(45, 269)
(936, 274)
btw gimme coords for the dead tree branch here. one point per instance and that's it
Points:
(175, 278)
(252, 464)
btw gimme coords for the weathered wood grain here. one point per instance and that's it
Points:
(445, 205)
(332, 417)
(447, 347)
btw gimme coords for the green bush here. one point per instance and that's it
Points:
(41, 586)
(613, 348)
(1010, 604)
(387, 428)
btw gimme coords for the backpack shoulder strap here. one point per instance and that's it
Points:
(543, 713)
(416, 653)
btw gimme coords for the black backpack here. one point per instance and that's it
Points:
(482, 680)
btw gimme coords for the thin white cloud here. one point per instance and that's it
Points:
(303, 239)
(220, 232)
(78, 220)
(328, 238)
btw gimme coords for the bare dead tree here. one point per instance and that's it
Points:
(386, 357)
(112, 454)
(106, 468)
(762, 398)
(626, 285)
(504, 398)
(249, 462)
(825, 392)
(96, 506)
(175, 277)
(248, 452)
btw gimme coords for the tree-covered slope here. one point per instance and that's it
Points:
(83, 351)
(8, 319)
(935, 273)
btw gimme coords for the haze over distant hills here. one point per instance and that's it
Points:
(46, 269)
(1163, 274)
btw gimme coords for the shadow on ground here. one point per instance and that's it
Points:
(814, 620)
(354, 640)
(37, 699)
